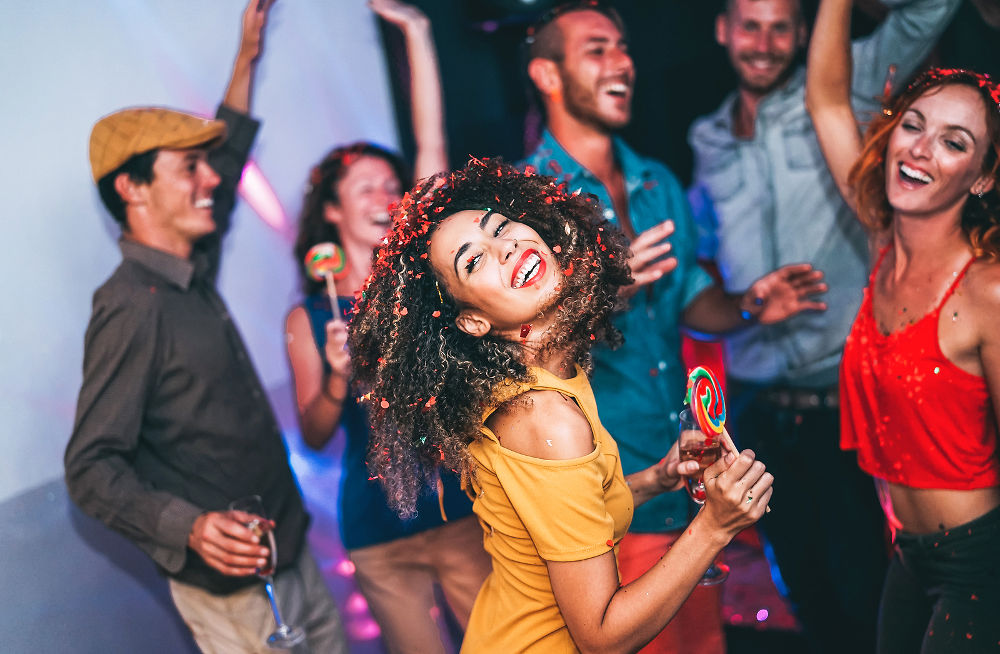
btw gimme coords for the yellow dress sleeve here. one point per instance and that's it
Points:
(560, 503)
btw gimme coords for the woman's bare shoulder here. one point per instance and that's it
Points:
(544, 424)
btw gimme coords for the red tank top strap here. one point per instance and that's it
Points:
(954, 284)
(878, 264)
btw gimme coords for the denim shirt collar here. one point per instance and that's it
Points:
(635, 169)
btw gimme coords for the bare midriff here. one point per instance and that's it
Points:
(927, 510)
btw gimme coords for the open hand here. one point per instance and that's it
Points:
(644, 262)
(783, 293)
(254, 20)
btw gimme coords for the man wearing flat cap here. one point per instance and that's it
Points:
(172, 421)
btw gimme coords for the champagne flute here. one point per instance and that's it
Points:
(694, 445)
(284, 637)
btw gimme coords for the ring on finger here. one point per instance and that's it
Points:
(749, 498)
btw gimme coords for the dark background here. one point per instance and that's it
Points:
(681, 72)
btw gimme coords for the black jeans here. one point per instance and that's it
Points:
(942, 593)
(826, 530)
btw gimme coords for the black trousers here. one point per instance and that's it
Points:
(942, 593)
(826, 530)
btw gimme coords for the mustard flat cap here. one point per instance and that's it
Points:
(118, 136)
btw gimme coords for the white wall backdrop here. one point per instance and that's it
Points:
(65, 63)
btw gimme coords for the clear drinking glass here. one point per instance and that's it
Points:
(284, 637)
(693, 445)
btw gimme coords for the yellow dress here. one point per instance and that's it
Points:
(536, 510)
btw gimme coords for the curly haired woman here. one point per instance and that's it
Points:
(920, 384)
(473, 335)
(397, 563)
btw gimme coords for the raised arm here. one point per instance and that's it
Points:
(426, 105)
(239, 91)
(319, 397)
(828, 91)
(775, 297)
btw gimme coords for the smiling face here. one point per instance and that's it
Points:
(176, 206)
(935, 153)
(762, 38)
(500, 272)
(595, 69)
(364, 194)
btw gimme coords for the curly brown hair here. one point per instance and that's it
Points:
(428, 381)
(322, 189)
(980, 215)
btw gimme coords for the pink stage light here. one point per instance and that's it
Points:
(257, 191)
(344, 567)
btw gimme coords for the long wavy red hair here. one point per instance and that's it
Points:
(980, 215)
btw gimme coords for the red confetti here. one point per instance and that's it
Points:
(436, 314)
(384, 404)
(611, 543)
(431, 402)
(569, 270)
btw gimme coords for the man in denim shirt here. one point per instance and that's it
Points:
(584, 76)
(770, 202)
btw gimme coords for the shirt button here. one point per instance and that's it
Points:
(662, 365)
(673, 416)
(609, 213)
(669, 522)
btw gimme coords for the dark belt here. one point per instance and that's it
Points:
(800, 399)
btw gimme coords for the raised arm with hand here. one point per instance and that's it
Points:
(239, 91)
(828, 92)
(319, 397)
(426, 105)
(776, 296)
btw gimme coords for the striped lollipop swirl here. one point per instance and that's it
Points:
(325, 259)
(704, 395)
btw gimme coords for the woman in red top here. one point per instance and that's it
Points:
(920, 378)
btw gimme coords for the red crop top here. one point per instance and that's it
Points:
(915, 418)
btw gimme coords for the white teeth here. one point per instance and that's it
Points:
(616, 87)
(526, 270)
(918, 175)
(204, 203)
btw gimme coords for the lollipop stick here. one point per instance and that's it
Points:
(331, 289)
(727, 440)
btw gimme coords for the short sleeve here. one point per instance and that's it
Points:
(560, 503)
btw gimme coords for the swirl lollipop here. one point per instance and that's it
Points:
(326, 262)
(704, 395)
